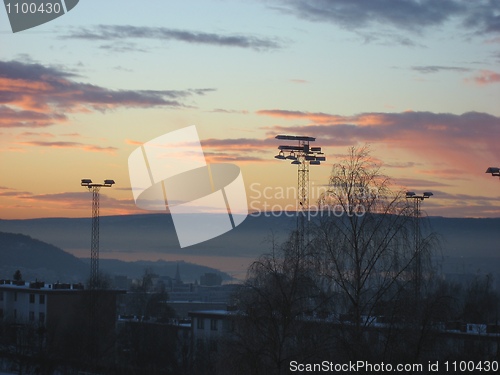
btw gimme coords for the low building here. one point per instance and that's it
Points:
(64, 316)
(211, 279)
(35, 302)
(208, 327)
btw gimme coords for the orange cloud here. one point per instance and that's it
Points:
(33, 95)
(12, 118)
(325, 118)
(465, 143)
(461, 143)
(485, 77)
(52, 204)
(133, 142)
(77, 145)
(315, 117)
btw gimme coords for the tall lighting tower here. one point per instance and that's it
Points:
(94, 243)
(417, 201)
(302, 155)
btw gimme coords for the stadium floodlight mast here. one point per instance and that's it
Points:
(417, 200)
(302, 155)
(495, 171)
(94, 243)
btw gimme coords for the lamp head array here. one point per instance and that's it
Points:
(300, 153)
(495, 171)
(425, 195)
(87, 182)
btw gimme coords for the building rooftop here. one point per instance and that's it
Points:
(213, 313)
(40, 285)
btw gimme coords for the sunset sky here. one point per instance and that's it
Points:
(419, 81)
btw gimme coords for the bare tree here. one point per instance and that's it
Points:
(274, 326)
(364, 246)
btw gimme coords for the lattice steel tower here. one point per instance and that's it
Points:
(94, 242)
(301, 155)
(417, 201)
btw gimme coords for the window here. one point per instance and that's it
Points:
(15, 296)
(32, 298)
(41, 299)
(15, 313)
(213, 324)
(32, 316)
(200, 323)
(41, 317)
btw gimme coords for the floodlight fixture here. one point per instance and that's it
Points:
(425, 195)
(281, 155)
(87, 182)
(495, 171)
(301, 152)
(295, 138)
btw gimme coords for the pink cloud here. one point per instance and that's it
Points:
(80, 200)
(485, 77)
(133, 142)
(76, 145)
(317, 117)
(33, 95)
(20, 118)
(465, 143)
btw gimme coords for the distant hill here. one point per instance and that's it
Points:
(155, 233)
(38, 260)
(467, 244)
(152, 233)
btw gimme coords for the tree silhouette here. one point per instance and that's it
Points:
(364, 249)
(18, 276)
(280, 294)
